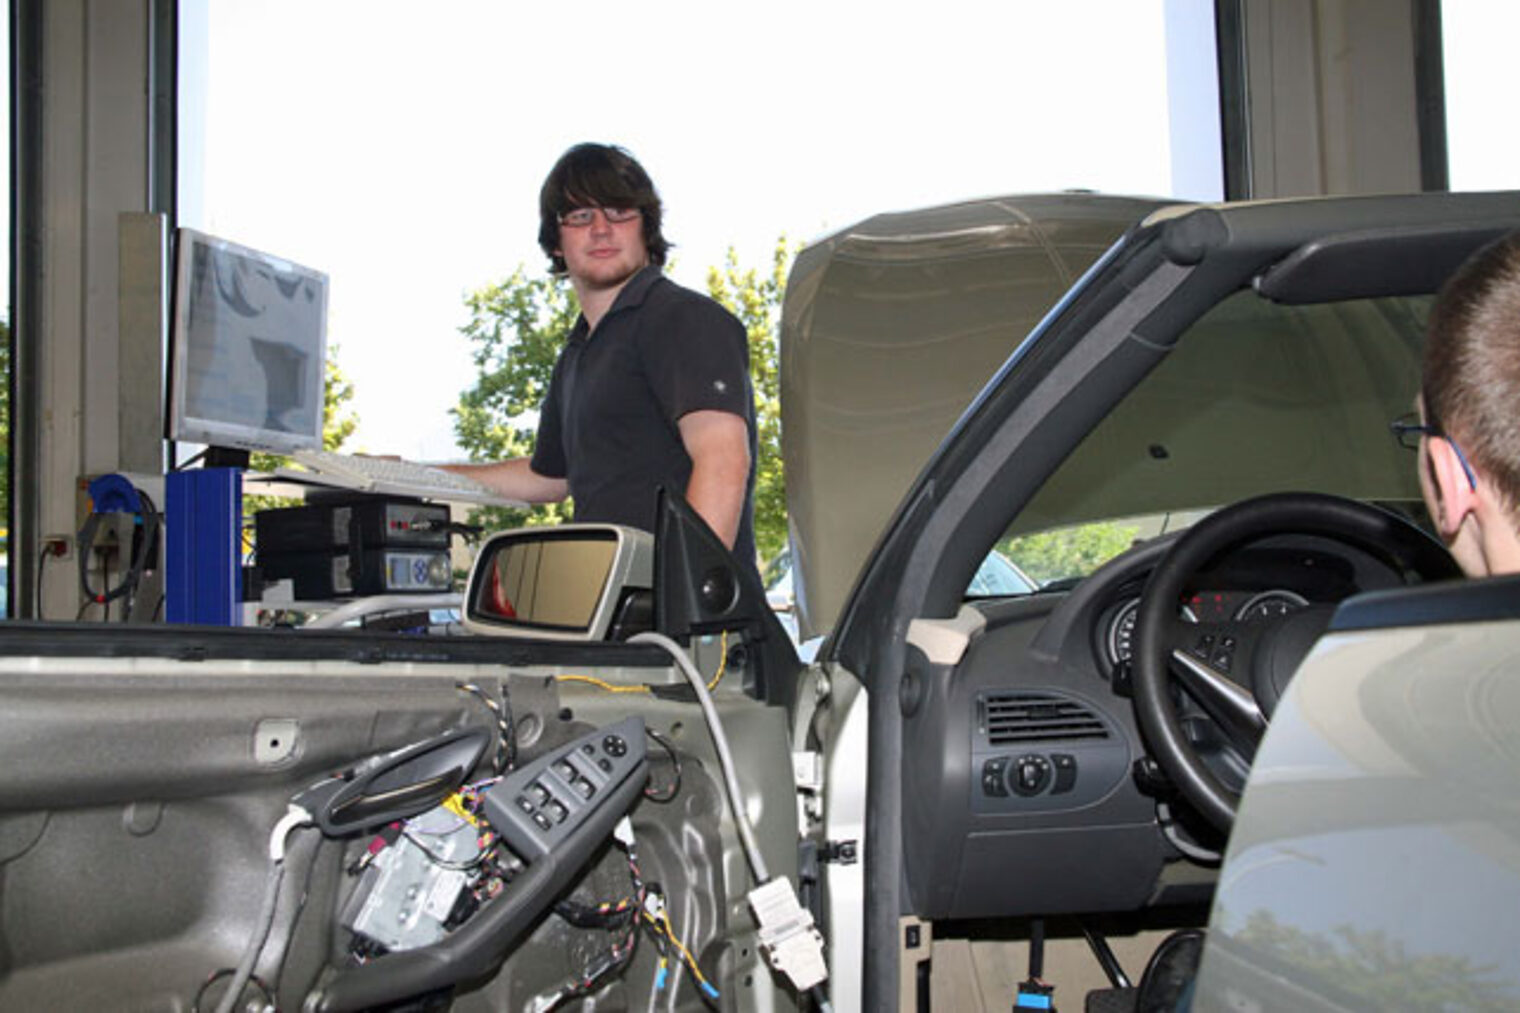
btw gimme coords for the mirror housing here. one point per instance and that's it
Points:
(571, 582)
(700, 588)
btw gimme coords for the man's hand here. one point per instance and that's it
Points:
(718, 444)
(514, 479)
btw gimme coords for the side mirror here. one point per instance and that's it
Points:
(571, 582)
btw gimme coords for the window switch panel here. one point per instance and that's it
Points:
(537, 806)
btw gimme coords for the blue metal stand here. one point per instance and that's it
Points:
(203, 518)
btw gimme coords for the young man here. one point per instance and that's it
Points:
(652, 388)
(1469, 409)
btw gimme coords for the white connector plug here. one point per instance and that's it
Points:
(788, 938)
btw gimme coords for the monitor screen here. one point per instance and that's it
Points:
(249, 338)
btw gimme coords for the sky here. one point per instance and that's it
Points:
(403, 154)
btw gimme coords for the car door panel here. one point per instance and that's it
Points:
(140, 794)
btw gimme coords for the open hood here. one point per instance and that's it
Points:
(889, 330)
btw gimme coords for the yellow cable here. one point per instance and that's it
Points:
(601, 684)
(612, 688)
(722, 662)
(691, 962)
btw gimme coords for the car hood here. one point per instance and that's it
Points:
(889, 329)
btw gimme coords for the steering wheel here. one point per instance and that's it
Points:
(1236, 671)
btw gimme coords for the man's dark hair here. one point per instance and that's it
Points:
(1471, 386)
(603, 176)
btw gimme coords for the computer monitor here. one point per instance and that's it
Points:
(249, 348)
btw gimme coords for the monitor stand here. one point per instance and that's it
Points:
(226, 457)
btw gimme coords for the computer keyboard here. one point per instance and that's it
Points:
(392, 476)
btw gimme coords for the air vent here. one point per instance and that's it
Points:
(1016, 718)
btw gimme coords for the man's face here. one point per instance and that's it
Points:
(603, 254)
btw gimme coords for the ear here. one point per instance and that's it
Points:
(1455, 496)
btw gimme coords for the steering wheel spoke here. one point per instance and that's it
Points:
(1230, 704)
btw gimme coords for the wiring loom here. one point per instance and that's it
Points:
(491, 869)
(645, 909)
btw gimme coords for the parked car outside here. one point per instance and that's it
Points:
(997, 577)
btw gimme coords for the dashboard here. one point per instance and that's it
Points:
(1212, 605)
(1026, 787)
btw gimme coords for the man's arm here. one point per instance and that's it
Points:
(718, 444)
(515, 479)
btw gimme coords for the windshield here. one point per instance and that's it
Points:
(1255, 398)
(997, 577)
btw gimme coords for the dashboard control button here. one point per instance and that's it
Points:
(1031, 774)
(615, 745)
(993, 782)
(1066, 772)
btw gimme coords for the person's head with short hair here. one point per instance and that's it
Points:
(1470, 404)
(598, 176)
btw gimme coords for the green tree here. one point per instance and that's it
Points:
(1068, 552)
(755, 299)
(516, 328)
(338, 420)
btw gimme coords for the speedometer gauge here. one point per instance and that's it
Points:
(1121, 630)
(1270, 604)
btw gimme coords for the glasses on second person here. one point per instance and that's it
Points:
(1408, 429)
(580, 218)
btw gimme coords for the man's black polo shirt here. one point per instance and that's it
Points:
(609, 421)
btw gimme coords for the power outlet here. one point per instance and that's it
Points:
(58, 546)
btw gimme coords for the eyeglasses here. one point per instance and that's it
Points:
(1408, 429)
(580, 218)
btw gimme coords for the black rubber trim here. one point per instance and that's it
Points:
(213, 643)
(1377, 262)
(1493, 599)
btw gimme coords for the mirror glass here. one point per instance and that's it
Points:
(550, 580)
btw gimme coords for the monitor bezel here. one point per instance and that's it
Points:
(180, 426)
